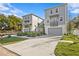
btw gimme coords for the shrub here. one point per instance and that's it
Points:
(22, 33)
(19, 33)
(9, 36)
(39, 33)
(30, 34)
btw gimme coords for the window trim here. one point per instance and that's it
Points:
(51, 12)
(56, 10)
(61, 18)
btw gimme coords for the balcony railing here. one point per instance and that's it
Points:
(28, 25)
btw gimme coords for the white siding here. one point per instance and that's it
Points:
(33, 20)
(55, 18)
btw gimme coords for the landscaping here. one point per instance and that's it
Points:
(67, 48)
(30, 34)
(10, 40)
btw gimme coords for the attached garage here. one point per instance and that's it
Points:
(55, 31)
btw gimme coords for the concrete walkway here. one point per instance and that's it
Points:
(6, 52)
(35, 47)
(66, 41)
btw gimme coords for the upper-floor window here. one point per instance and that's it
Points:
(47, 21)
(25, 17)
(54, 23)
(28, 17)
(26, 21)
(61, 18)
(51, 12)
(57, 10)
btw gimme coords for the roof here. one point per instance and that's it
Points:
(57, 6)
(33, 15)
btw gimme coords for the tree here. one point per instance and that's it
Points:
(3, 22)
(15, 23)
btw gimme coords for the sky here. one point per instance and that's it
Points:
(20, 9)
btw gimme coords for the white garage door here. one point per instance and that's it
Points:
(55, 31)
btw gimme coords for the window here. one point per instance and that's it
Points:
(51, 12)
(56, 10)
(25, 17)
(54, 23)
(47, 21)
(28, 17)
(61, 18)
(26, 21)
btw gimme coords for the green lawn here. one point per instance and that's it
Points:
(10, 40)
(66, 48)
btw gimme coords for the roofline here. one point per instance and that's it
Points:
(57, 6)
(33, 15)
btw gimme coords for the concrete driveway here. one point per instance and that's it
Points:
(35, 46)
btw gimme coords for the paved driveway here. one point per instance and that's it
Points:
(35, 46)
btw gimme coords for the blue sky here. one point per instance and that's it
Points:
(34, 8)
(20, 9)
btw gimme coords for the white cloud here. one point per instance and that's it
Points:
(8, 9)
(73, 8)
(76, 11)
(3, 7)
(74, 5)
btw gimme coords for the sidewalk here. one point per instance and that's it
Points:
(6, 52)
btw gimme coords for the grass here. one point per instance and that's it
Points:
(10, 40)
(66, 48)
(71, 37)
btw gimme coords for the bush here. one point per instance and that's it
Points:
(22, 33)
(19, 34)
(9, 36)
(30, 34)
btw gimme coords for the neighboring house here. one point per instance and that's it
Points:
(30, 22)
(40, 27)
(56, 20)
(75, 31)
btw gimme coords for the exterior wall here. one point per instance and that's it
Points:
(34, 20)
(55, 17)
(26, 18)
(75, 32)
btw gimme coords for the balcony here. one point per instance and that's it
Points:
(54, 23)
(54, 15)
(26, 21)
(27, 25)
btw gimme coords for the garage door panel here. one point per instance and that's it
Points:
(55, 31)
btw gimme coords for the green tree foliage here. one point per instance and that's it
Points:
(73, 24)
(10, 22)
(14, 22)
(3, 22)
